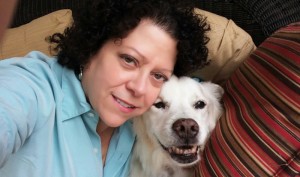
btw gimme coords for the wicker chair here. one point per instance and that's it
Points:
(259, 18)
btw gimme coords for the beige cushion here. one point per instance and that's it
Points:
(19, 41)
(228, 47)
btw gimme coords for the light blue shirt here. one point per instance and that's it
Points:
(47, 128)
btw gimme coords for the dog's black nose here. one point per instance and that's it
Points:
(186, 128)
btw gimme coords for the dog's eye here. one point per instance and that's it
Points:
(199, 104)
(160, 105)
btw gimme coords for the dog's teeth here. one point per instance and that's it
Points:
(183, 151)
(193, 150)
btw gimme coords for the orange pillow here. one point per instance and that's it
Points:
(21, 40)
(228, 47)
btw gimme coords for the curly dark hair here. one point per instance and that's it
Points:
(101, 20)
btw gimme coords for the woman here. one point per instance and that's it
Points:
(70, 115)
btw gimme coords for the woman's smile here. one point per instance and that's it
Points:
(123, 105)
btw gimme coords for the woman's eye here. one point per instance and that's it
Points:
(129, 60)
(160, 77)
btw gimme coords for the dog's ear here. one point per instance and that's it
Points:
(216, 89)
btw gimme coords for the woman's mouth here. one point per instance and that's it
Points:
(125, 107)
(124, 104)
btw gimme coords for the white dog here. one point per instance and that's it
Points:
(172, 134)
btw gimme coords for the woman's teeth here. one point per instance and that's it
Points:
(124, 104)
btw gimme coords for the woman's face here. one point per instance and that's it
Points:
(125, 77)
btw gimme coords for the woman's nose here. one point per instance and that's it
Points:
(138, 84)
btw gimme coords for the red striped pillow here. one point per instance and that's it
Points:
(259, 133)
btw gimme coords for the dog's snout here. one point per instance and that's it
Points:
(186, 128)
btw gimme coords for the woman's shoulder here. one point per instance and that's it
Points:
(35, 63)
(33, 58)
(35, 71)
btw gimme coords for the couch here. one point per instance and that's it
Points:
(255, 55)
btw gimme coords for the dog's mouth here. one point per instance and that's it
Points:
(183, 154)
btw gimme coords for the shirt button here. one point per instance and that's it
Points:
(95, 150)
(90, 114)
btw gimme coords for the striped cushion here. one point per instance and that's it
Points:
(259, 133)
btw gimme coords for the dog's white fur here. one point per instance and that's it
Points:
(154, 128)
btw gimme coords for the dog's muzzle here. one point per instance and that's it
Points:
(187, 149)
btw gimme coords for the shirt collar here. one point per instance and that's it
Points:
(74, 102)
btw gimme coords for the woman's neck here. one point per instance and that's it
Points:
(105, 134)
